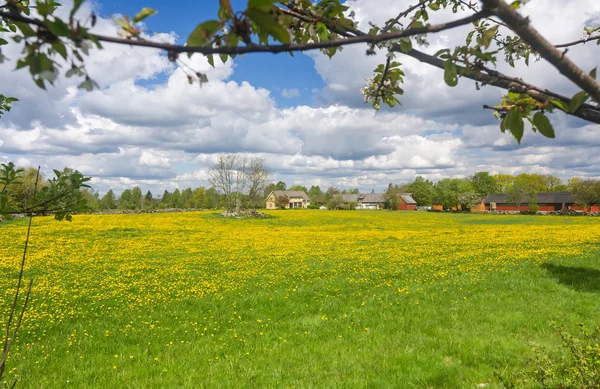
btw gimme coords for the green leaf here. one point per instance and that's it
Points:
(3, 42)
(60, 48)
(143, 14)
(434, 6)
(88, 85)
(560, 105)
(25, 29)
(470, 37)
(541, 122)
(405, 45)
(260, 3)
(439, 52)
(58, 27)
(225, 4)
(203, 32)
(268, 23)
(487, 36)
(593, 72)
(211, 60)
(450, 75)
(322, 31)
(514, 123)
(76, 5)
(577, 101)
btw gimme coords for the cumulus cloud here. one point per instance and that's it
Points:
(166, 134)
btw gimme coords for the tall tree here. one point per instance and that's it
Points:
(108, 201)
(316, 195)
(484, 183)
(148, 200)
(422, 191)
(137, 198)
(199, 194)
(125, 200)
(222, 177)
(281, 186)
(269, 188)
(298, 187)
(257, 181)
(518, 193)
(585, 192)
(504, 181)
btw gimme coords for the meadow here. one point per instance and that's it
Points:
(305, 299)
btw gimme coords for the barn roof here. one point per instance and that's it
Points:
(374, 198)
(408, 199)
(291, 193)
(542, 198)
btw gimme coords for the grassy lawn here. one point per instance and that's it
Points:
(306, 299)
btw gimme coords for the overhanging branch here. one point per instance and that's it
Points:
(539, 44)
(369, 39)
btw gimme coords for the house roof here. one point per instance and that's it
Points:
(374, 198)
(351, 197)
(291, 193)
(542, 198)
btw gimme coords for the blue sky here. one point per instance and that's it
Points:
(147, 126)
(270, 71)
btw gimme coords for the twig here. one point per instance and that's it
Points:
(403, 14)
(473, 8)
(583, 40)
(539, 44)
(384, 75)
(7, 344)
(375, 39)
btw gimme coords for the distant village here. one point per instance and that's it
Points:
(478, 193)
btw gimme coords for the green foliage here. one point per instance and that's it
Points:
(580, 370)
(484, 183)
(6, 102)
(385, 85)
(60, 196)
(422, 191)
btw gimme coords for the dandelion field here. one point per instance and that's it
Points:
(305, 299)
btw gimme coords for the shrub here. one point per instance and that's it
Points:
(580, 370)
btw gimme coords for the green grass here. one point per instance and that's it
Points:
(322, 312)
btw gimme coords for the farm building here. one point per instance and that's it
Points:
(546, 201)
(377, 201)
(294, 198)
(407, 203)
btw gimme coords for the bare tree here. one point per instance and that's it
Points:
(258, 175)
(241, 179)
(235, 176)
(222, 177)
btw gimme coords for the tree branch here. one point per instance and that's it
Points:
(505, 82)
(584, 40)
(539, 44)
(373, 40)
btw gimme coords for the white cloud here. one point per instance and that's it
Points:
(289, 93)
(167, 134)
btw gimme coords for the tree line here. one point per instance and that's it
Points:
(239, 182)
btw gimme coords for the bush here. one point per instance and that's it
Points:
(313, 206)
(580, 370)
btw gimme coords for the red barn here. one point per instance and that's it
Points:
(406, 203)
(546, 201)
